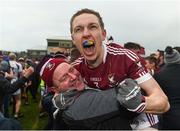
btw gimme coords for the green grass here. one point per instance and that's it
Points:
(31, 119)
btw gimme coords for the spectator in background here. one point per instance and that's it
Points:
(159, 55)
(151, 64)
(33, 82)
(142, 51)
(110, 39)
(21, 61)
(52, 54)
(7, 88)
(169, 80)
(59, 54)
(1, 56)
(9, 77)
(74, 54)
(135, 47)
(177, 48)
(17, 71)
(7, 96)
(42, 88)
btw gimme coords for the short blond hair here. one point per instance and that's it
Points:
(12, 56)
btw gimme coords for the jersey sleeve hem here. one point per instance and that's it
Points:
(143, 78)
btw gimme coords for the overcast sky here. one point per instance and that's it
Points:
(26, 24)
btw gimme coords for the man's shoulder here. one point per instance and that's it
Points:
(114, 48)
(79, 61)
(13, 64)
(119, 52)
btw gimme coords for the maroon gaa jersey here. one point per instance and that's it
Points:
(118, 63)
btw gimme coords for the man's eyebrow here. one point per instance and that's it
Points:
(92, 23)
(78, 26)
(62, 77)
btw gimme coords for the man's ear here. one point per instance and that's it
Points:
(72, 38)
(55, 89)
(104, 34)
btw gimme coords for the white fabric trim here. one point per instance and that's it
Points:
(43, 67)
(123, 51)
(54, 103)
(55, 113)
(142, 121)
(139, 109)
(105, 52)
(143, 78)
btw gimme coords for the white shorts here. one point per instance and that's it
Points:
(17, 92)
(144, 120)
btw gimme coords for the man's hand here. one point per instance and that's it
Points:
(64, 99)
(129, 95)
(28, 72)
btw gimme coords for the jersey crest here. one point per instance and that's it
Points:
(112, 80)
(50, 66)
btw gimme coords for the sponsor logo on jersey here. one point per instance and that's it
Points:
(95, 79)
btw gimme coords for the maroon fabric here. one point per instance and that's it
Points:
(49, 70)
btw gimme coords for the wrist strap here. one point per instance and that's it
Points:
(141, 107)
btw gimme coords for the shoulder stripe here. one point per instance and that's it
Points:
(121, 51)
(124, 50)
(77, 61)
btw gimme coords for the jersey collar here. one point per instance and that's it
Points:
(105, 51)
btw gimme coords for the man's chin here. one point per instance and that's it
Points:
(88, 57)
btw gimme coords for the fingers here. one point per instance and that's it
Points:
(31, 69)
(128, 84)
(28, 72)
(133, 93)
(129, 95)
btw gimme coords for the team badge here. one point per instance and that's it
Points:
(138, 63)
(111, 78)
(50, 66)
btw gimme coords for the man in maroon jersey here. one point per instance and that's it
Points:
(104, 65)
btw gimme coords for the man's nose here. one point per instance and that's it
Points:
(86, 32)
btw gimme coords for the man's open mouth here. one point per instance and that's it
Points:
(88, 43)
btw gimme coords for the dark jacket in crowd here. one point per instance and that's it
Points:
(6, 87)
(9, 124)
(169, 80)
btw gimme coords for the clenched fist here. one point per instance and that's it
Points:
(129, 95)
